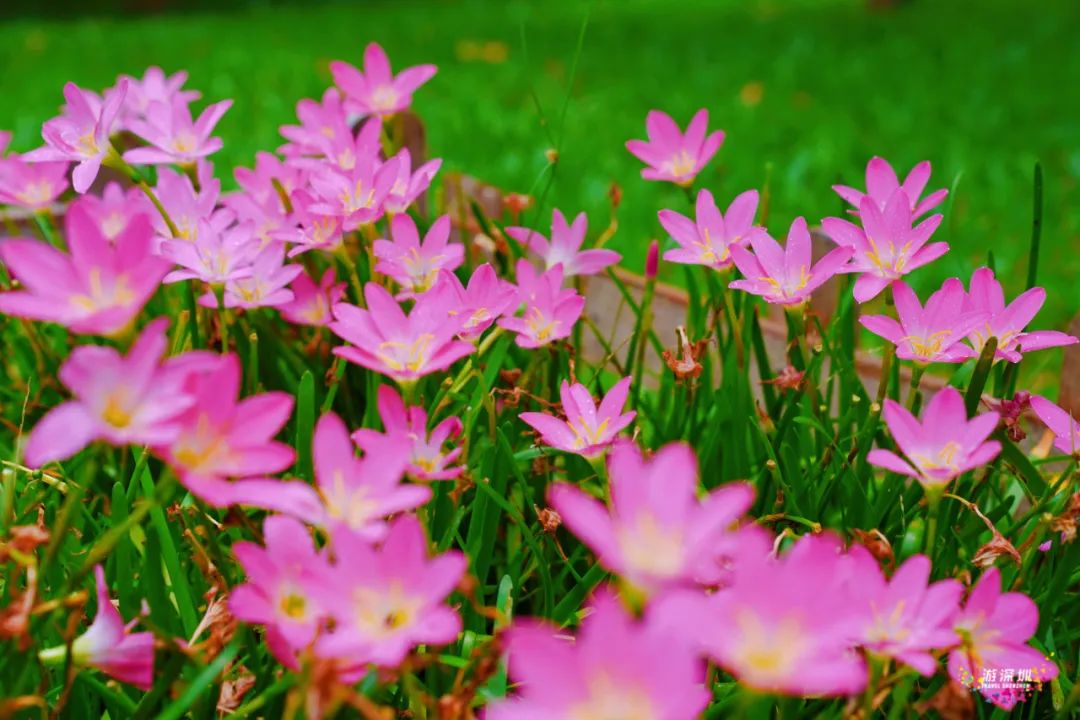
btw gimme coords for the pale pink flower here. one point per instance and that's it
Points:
(409, 185)
(670, 154)
(33, 186)
(267, 286)
(588, 429)
(114, 210)
(376, 90)
(1065, 428)
(155, 87)
(944, 445)
(98, 289)
(415, 265)
(481, 303)
(173, 136)
(550, 310)
(707, 240)
(564, 248)
(618, 667)
(313, 304)
(322, 124)
(785, 276)
(356, 196)
(313, 230)
(188, 208)
(215, 257)
(881, 183)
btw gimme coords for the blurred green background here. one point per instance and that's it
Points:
(813, 88)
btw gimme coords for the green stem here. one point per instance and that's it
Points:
(933, 503)
(916, 379)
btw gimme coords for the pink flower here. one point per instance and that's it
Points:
(33, 186)
(409, 185)
(565, 246)
(322, 125)
(484, 300)
(1066, 430)
(404, 347)
(98, 289)
(268, 284)
(427, 458)
(944, 445)
(785, 625)
(588, 430)
(657, 534)
(187, 208)
(881, 183)
(215, 256)
(110, 646)
(314, 231)
(671, 155)
(934, 333)
(550, 310)
(785, 276)
(114, 210)
(173, 136)
(708, 239)
(995, 628)
(311, 303)
(155, 87)
(81, 133)
(618, 667)
(887, 247)
(415, 265)
(355, 196)
(1007, 323)
(386, 600)
(376, 91)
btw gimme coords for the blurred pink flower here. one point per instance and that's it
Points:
(31, 185)
(564, 247)
(881, 183)
(322, 125)
(114, 210)
(215, 256)
(409, 185)
(187, 208)
(934, 333)
(415, 265)
(173, 136)
(312, 304)
(785, 276)
(481, 303)
(268, 284)
(1065, 428)
(550, 310)
(588, 429)
(670, 154)
(376, 90)
(707, 239)
(154, 87)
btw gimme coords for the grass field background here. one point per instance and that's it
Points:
(812, 88)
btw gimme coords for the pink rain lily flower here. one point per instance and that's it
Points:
(707, 240)
(356, 196)
(322, 124)
(1065, 428)
(415, 265)
(486, 299)
(934, 333)
(216, 257)
(81, 133)
(386, 600)
(173, 136)
(943, 445)
(588, 429)
(881, 183)
(564, 247)
(114, 210)
(657, 534)
(618, 667)
(550, 310)
(408, 185)
(34, 186)
(785, 276)
(97, 289)
(428, 460)
(155, 87)
(376, 90)
(886, 247)
(404, 347)
(188, 208)
(313, 231)
(1007, 323)
(994, 628)
(312, 304)
(267, 286)
(671, 155)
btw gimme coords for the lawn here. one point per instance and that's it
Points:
(811, 89)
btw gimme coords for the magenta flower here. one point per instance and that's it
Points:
(486, 299)
(618, 667)
(313, 231)
(995, 628)
(376, 90)
(109, 645)
(886, 247)
(155, 87)
(312, 304)
(173, 136)
(1007, 323)
(943, 446)
(881, 183)
(215, 256)
(707, 240)
(33, 186)
(404, 347)
(266, 286)
(415, 265)
(98, 289)
(356, 196)
(428, 460)
(657, 533)
(934, 333)
(387, 600)
(784, 276)
(670, 154)
(409, 185)
(1066, 430)
(114, 210)
(188, 208)
(588, 429)
(81, 133)
(550, 310)
(565, 246)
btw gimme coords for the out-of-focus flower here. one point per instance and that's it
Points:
(322, 124)
(114, 210)
(413, 264)
(881, 183)
(588, 429)
(268, 284)
(484, 300)
(618, 667)
(409, 185)
(550, 310)
(187, 208)
(313, 304)
(671, 155)
(376, 90)
(652, 260)
(216, 257)
(934, 333)
(707, 239)
(154, 87)
(33, 186)
(785, 276)
(944, 445)
(97, 289)
(564, 247)
(173, 136)
(313, 231)
(1065, 428)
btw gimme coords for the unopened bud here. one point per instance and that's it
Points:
(652, 260)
